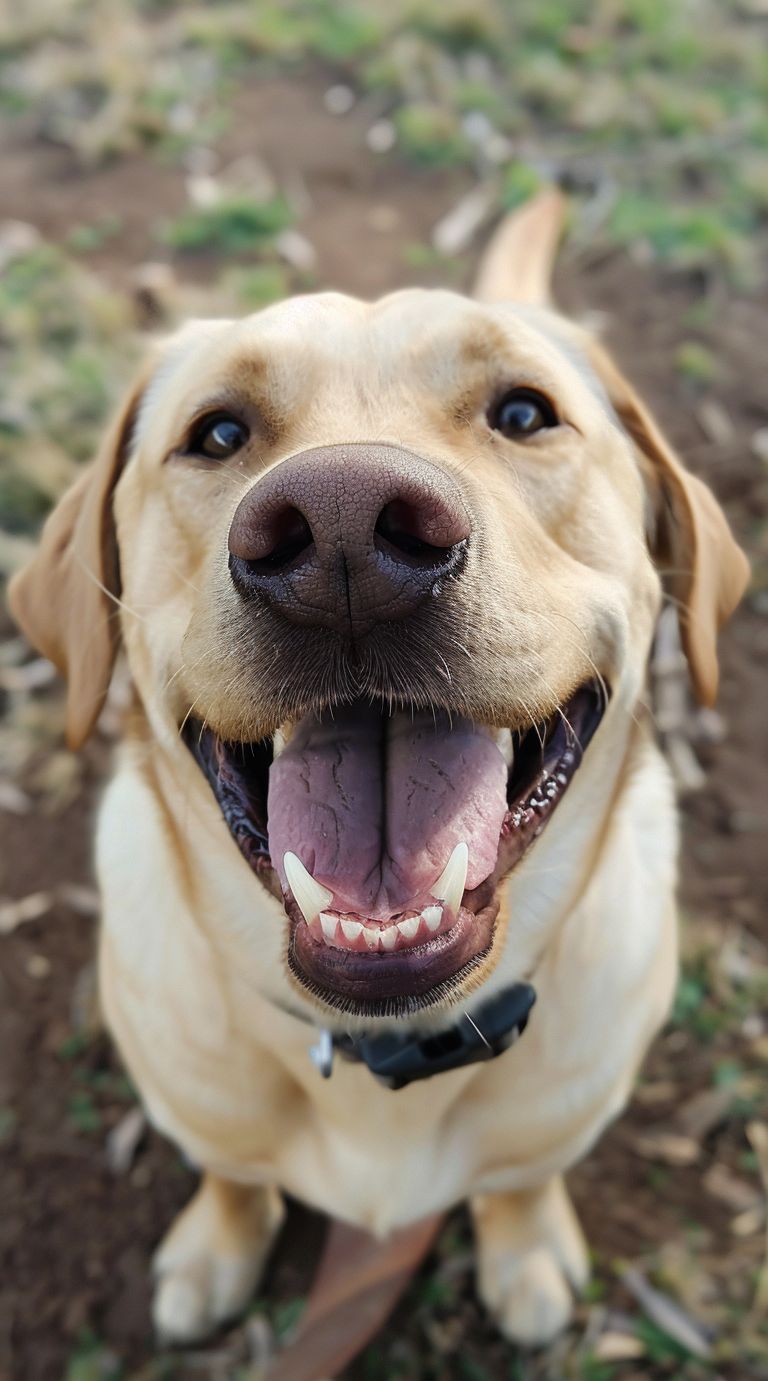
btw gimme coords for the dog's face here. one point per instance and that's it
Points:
(384, 570)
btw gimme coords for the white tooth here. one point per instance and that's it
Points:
(433, 915)
(449, 887)
(310, 896)
(278, 744)
(503, 740)
(409, 927)
(328, 924)
(371, 936)
(389, 937)
(351, 929)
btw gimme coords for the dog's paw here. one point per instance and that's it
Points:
(194, 1299)
(531, 1258)
(208, 1266)
(528, 1296)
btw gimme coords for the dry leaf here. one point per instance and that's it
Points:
(722, 1184)
(748, 1223)
(457, 229)
(617, 1347)
(666, 1313)
(669, 1147)
(15, 913)
(758, 1136)
(703, 1112)
(84, 900)
(661, 1091)
(124, 1139)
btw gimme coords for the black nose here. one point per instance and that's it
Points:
(344, 537)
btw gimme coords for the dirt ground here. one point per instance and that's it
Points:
(75, 1237)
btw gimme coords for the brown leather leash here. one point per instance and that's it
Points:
(357, 1285)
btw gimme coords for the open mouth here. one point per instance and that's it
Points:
(387, 835)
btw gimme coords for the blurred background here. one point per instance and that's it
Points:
(161, 159)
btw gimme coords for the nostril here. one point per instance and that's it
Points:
(423, 538)
(278, 541)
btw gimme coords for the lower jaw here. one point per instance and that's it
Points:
(448, 965)
(397, 984)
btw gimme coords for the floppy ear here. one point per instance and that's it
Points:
(518, 261)
(65, 598)
(705, 569)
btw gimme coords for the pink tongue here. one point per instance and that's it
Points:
(374, 806)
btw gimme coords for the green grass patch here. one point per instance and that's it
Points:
(257, 287)
(285, 1316)
(84, 239)
(687, 236)
(234, 225)
(520, 182)
(83, 1113)
(430, 135)
(695, 363)
(92, 1360)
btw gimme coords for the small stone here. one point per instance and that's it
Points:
(381, 137)
(715, 422)
(339, 100)
(38, 966)
(203, 190)
(759, 444)
(617, 1347)
(17, 238)
(296, 250)
(13, 799)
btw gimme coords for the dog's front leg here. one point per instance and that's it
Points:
(530, 1252)
(209, 1262)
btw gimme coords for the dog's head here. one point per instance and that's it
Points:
(384, 570)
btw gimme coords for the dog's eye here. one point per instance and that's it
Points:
(522, 412)
(218, 437)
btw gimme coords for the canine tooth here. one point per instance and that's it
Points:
(371, 936)
(278, 743)
(351, 929)
(328, 924)
(310, 896)
(433, 915)
(409, 927)
(449, 887)
(503, 740)
(388, 937)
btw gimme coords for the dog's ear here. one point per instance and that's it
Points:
(518, 261)
(703, 567)
(66, 598)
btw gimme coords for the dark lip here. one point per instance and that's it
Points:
(398, 984)
(407, 980)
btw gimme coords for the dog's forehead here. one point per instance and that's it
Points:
(334, 336)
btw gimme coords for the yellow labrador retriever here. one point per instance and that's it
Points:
(386, 578)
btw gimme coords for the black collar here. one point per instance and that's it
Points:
(397, 1060)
